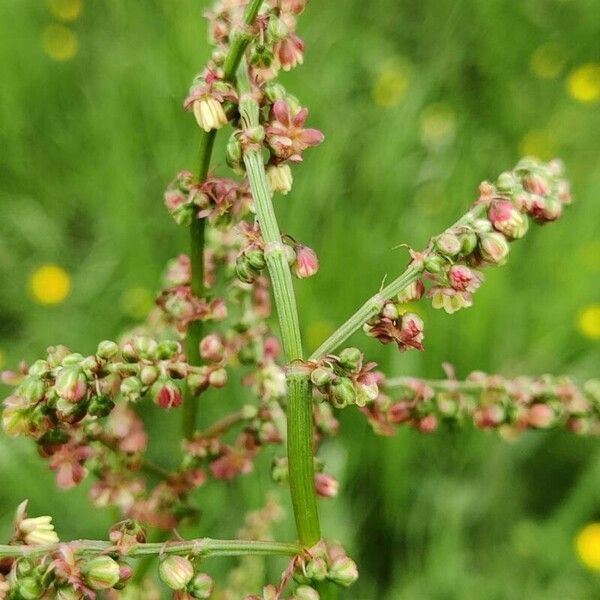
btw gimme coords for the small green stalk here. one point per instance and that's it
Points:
(197, 229)
(373, 306)
(204, 548)
(299, 394)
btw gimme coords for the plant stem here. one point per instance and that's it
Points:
(372, 306)
(240, 42)
(203, 547)
(443, 385)
(299, 394)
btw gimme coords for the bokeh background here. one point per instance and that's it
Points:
(419, 101)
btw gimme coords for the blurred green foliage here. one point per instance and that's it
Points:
(419, 101)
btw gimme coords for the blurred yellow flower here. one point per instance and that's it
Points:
(438, 125)
(583, 84)
(391, 84)
(317, 332)
(137, 302)
(49, 284)
(587, 545)
(540, 144)
(59, 42)
(547, 61)
(65, 10)
(588, 321)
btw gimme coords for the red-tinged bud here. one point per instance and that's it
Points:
(290, 52)
(71, 384)
(202, 586)
(280, 178)
(176, 572)
(40, 368)
(400, 412)
(343, 571)
(463, 279)
(166, 394)
(307, 263)
(326, 485)
(448, 244)
(101, 572)
(411, 293)
(316, 569)
(494, 248)
(211, 348)
(218, 378)
(536, 184)
(131, 388)
(107, 350)
(541, 416)
(16, 416)
(507, 219)
(428, 424)
(489, 416)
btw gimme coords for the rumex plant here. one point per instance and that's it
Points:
(212, 322)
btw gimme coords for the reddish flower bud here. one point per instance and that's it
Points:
(218, 378)
(71, 384)
(428, 424)
(507, 219)
(211, 348)
(326, 485)
(166, 394)
(541, 416)
(494, 248)
(176, 572)
(307, 263)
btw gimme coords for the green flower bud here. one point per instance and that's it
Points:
(343, 571)
(107, 349)
(148, 374)
(176, 571)
(343, 392)
(71, 384)
(72, 360)
(32, 389)
(316, 569)
(167, 349)
(132, 388)
(351, 358)
(256, 259)
(30, 588)
(448, 244)
(506, 182)
(322, 376)
(304, 592)
(468, 242)
(100, 406)
(67, 593)
(243, 269)
(101, 572)
(145, 346)
(280, 470)
(56, 355)
(233, 154)
(201, 586)
(40, 368)
(434, 264)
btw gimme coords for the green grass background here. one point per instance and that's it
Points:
(88, 145)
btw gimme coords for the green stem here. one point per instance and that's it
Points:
(240, 42)
(203, 547)
(299, 395)
(373, 306)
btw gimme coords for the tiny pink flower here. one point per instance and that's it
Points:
(285, 133)
(541, 416)
(166, 394)
(307, 263)
(290, 52)
(507, 219)
(68, 461)
(211, 348)
(463, 279)
(326, 485)
(427, 424)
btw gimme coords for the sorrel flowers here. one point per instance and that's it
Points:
(212, 321)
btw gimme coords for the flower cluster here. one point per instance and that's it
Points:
(452, 261)
(345, 379)
(406, 330)
(489, 402)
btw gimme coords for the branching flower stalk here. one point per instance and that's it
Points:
(212, 320)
